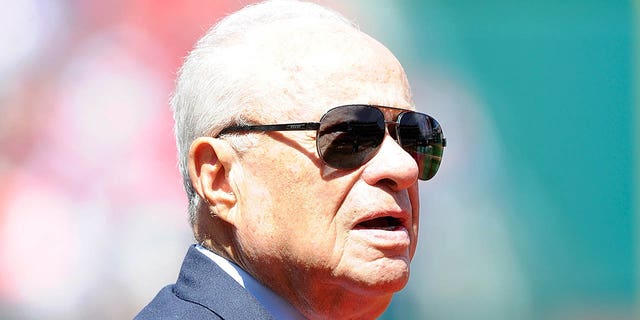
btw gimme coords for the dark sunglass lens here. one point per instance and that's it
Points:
(350, 135)
(421, 136)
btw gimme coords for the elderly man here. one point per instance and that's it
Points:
(301, 155)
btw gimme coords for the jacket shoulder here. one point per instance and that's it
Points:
(203, 291)
(167, 305)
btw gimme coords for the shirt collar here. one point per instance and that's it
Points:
(276, 305)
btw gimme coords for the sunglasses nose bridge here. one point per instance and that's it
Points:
(391, 127)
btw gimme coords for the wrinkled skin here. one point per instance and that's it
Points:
(287, 218)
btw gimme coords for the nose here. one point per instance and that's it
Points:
(392, 166)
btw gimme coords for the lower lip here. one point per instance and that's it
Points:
(387, 239)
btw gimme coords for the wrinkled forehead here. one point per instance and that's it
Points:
(303, 68)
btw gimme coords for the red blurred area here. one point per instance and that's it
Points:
(88, 159)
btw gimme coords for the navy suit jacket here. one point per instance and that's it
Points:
(203, 291)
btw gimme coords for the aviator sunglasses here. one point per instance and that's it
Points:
(349, 136)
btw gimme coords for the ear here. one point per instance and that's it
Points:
(209, 162)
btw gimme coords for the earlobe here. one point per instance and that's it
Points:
(209, 162)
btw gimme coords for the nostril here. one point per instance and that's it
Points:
(389, 182)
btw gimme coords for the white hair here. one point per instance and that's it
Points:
(213, 91)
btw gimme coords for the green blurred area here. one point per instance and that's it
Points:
(556, 78)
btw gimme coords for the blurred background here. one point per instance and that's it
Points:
(532, 216)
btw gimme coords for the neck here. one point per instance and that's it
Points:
(342, 305)
(332, 300)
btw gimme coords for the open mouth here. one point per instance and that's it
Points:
(382, 223)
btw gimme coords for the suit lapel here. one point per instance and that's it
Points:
(201, 281)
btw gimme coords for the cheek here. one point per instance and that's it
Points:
(289, 203)
(290, 176)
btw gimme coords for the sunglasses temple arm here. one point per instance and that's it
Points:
(301, 126)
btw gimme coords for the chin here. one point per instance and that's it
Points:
(384, 276)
